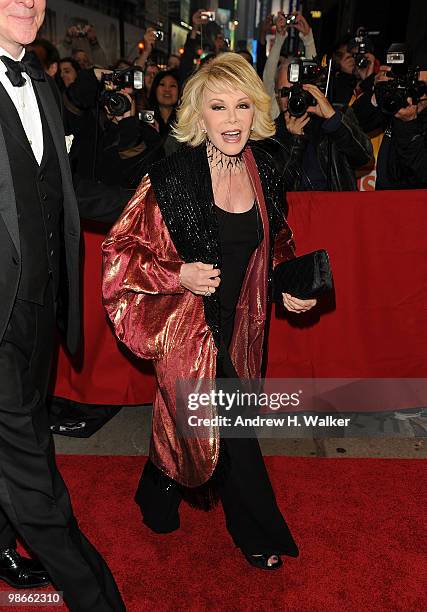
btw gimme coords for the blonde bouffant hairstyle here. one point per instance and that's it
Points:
(228, 71)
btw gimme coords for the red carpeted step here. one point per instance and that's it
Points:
(358, 522)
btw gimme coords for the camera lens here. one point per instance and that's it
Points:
(390, 97)
(362, 62)
(393, 103)
(297, 104)
(299, 101)
(118, 104)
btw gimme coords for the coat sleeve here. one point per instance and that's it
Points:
(411, 149)
(284, 246)
(140, 263)
(349, 138)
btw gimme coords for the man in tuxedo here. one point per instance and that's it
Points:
(39, 283)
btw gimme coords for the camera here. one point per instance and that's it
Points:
(209, 15)
(362, 45)
(290, 19)
(111, 83)
(392, 95)
(160, 35)
(147, 116)
(81, 30)
(301, 72)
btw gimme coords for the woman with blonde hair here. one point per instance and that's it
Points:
(186, 272)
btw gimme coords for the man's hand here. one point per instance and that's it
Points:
(411, 112)
(73, 32)
(149, 40)
(200, 278)
(380, 77)
(294, 304)
(296, 125)
(301, 25)
(323, 108)
(281, 23)
(100, 71)
(199, 18)
(91, 34)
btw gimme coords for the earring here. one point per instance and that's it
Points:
(252, 129)
(204, 131)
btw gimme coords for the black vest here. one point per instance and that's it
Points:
(39, 203)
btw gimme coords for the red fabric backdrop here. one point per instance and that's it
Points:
(374, 326)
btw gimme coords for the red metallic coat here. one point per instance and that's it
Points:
(157, 319)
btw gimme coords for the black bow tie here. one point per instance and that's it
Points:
(29, 64)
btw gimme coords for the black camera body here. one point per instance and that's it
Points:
(147, 116)
(301, 72)
(392, 95)
(362, 44)
(111, 83)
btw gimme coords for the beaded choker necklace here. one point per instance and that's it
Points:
(229, 176)
(223, 162)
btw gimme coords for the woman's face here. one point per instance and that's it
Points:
(68, 73)
(227, 117)
(167, 92)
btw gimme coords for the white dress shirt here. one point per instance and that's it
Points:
(25, 101)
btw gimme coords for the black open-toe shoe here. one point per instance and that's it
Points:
(261, 561)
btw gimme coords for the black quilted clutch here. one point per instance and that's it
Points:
(303, 277)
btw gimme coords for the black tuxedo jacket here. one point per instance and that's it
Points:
(10, 252)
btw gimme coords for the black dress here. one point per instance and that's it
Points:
(253, 518)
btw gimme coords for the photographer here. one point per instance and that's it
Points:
(270, 70)
(402, 159)
(81, 42)
(324, 145)
(126, 145)
(355, 68)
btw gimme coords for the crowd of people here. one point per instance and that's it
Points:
(189, 163)
(328, 147)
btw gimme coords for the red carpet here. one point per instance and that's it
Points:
(358, 523)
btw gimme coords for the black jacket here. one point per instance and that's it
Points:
(328, 153)
(10, 249)
(402, 158)
(410, 145)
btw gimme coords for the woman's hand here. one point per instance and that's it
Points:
(294, 304)
(200, 278)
